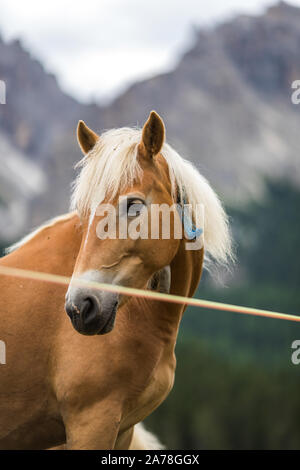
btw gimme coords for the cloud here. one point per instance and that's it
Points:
(96, 48)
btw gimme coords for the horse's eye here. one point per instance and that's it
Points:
(134, 207)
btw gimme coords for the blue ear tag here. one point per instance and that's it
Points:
(190, 229)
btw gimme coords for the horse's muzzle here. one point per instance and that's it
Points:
(90, 314)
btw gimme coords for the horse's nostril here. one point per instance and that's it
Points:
(89, 309)
(69, 309)
(86, 306)
(86, 309)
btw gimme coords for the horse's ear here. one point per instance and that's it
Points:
(153, 135)
(86, 137)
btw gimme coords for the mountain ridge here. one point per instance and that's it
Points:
(227, 107)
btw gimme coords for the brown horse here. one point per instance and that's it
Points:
(90, 390)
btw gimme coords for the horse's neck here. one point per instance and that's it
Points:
(53, 249)
(186, 270)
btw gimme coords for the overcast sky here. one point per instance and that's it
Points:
(97, 48)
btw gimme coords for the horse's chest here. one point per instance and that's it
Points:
(153, 392)
(160, 384)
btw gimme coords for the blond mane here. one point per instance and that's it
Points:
(112, 166)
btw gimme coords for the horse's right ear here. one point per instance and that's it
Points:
(86, 137)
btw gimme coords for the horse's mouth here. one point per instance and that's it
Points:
(108, 326)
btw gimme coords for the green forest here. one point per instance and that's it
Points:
(235, 385)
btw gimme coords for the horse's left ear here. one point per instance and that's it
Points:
(153, 135)
(86, 137)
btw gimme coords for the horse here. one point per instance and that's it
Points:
(85, 367)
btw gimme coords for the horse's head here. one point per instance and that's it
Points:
(126, 195)
(124, 176)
